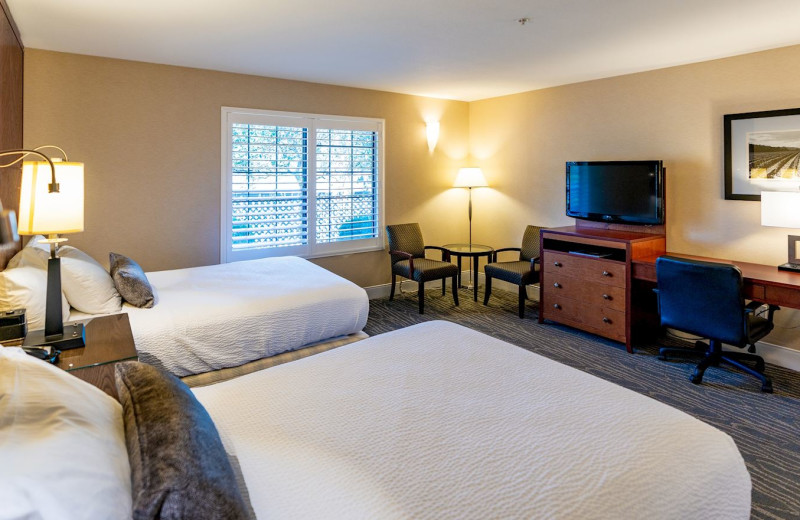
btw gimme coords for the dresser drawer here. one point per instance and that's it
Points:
(603, 321)
(559, 286)
(606, 272)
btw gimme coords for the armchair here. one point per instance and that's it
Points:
(522, 272)
(707, 299)
(407, 252)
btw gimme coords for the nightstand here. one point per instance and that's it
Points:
(109, 340)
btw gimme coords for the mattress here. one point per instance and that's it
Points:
(439, 421)
(219, 316)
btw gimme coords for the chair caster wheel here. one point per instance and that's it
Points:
(662, 358)
(767, 387)
(696, 378)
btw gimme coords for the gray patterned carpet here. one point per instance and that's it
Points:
(764, 426)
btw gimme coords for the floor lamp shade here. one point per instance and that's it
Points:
(470, 178)
(46, 213)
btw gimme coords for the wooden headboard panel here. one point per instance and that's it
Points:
(11, 57)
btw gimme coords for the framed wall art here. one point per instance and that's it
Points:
(762, 153)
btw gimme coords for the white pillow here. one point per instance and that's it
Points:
(63, 453)
(25, 287)
(86, 284)
(34, 254)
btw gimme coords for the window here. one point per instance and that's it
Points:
(300, 184)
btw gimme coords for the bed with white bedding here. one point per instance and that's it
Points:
(219, 316)
(439, 421)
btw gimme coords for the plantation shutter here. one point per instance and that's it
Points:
(299, 184)
(347, 169)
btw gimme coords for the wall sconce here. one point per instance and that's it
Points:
(782, 209)
(432, 132)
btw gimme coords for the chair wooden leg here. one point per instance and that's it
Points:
(421, 296)
(454, 283)
(391, 292)
(487, 290)
(522, 295)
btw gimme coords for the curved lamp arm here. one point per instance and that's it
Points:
(53, 186)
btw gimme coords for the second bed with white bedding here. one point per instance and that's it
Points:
(439, 421)
(219, 316)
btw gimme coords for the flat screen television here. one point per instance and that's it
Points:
(627, 192)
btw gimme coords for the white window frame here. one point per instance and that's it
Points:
(231, 115)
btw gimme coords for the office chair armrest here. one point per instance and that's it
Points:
(503, 249)
(535, 261)
(755, 305)
(445, 252)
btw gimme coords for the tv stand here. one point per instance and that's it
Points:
(586, 277)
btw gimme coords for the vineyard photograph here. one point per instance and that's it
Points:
(774, 155)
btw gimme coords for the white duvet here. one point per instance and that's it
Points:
(439, 421)
(219, 316)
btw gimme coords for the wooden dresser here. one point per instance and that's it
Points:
(586, 278)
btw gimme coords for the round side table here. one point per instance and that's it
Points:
(473, 252)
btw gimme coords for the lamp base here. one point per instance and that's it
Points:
(795, 268)
(74, 336)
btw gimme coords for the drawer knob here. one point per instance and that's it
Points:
(606, 273)
(557, 264)
(556, 306)
(606, 320)
(606, 297)
(557, 285)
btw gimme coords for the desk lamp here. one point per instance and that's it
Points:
(51, 202)
(782, 209)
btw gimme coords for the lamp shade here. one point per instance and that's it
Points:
(470, 178)
(780, 209)
(42, 212)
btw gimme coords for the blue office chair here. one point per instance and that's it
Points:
(706, 299)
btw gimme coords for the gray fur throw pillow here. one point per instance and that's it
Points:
(131, 282)
(178, 464)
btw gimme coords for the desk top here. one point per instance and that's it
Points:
(645, 269)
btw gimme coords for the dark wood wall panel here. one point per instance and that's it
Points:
(11, 56)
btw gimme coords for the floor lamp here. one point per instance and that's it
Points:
(51, 202)
(470, 178)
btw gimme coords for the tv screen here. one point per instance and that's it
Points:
(628, 192)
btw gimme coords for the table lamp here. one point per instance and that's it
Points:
(51, 202)
(470, 178)
(782, 209)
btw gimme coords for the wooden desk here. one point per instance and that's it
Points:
(764, 283)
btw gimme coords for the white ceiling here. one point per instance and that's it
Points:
(456, 49)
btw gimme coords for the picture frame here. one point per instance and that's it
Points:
(762, 153)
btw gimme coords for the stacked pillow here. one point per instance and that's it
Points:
(85, 284)
(63, 452)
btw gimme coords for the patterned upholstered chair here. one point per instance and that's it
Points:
(407, 251)
(520, 272)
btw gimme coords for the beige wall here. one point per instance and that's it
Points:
(522, 142)
(149, 136)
